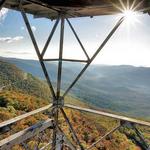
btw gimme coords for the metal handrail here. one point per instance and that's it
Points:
(15, 119)
(106, 114)
(25, 134)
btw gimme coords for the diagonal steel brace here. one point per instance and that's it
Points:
(37, 51)
(71, 128)
(103, 137)
(141, 137)
(95, 54)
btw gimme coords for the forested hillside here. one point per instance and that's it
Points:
(20, 96)
(117, 88)
(12, 77)
(88, 127)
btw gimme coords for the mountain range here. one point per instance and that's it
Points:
(122, 89)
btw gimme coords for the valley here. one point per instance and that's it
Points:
(16, 100)
(120, 89)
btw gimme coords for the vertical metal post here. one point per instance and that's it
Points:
(60, 58)
(66, 140)
(58, 97)
(59, 141)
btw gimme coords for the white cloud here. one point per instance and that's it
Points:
(11, 39)
(3, 13)
(32, 27)
(18, 53)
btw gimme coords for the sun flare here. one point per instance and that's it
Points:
(130, 15)
(129, 10)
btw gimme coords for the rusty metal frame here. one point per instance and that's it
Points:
(56, 96)
(58, 99)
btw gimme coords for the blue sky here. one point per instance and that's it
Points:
(130, 45)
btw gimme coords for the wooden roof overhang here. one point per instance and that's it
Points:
(77, 8)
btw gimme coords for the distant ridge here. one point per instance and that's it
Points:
(123, 88)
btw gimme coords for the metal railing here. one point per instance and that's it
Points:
(26, 134)
(38, 129)
(123, 122)
(23, 116)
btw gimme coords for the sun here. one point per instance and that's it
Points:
(130, 15)
(130, 11)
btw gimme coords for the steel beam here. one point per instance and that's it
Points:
(59, 141)
(66, 140)
(44, 147)
(103, 137)
(71, 128)
(110, 115)
(50, 37)
(54, 138)
(56, 101)
(15, 119)
(60, 58)
(37, 51)
(95, 54)
(44, 68)
(142, 139)
(68, 60)
(79, 41)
